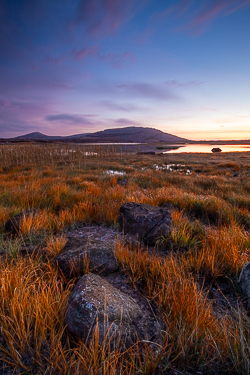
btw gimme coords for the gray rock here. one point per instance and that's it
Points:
(13, 225)
(98, 253)
(94, 303)
(149, 222)
(152, 322)
(244, 281)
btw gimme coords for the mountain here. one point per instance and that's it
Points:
(136, 134)
(118, 135)
(36, 136)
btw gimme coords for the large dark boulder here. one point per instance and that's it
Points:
(148, 222)
(96, 251)
(14, 224)
(96, 304)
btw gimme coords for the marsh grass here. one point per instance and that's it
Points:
(210, 241)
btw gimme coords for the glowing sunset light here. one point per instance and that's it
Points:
(77, 67)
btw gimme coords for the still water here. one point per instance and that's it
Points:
(208, 148)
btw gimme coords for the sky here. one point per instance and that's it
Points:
(79, 66)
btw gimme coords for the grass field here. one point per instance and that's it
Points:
(194, 285)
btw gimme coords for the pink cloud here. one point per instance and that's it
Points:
(81, 54)
(209, 14)
(179, 9)
(104, 17)
(118, 60)
(246, 2)
(75, 54)
(199, 14)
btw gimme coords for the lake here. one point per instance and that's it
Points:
(207, 148)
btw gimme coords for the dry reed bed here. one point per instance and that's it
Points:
(209, 243)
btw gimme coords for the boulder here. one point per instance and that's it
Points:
(148, 222)
(123, 183)
(216, 149)
(14, 224)
(244, 281)
(96, 304)
(98, 253)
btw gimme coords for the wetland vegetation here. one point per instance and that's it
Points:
(191, 277)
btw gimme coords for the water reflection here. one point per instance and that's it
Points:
(207, 148)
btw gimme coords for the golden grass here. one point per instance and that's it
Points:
(55, 244)
(209, 241)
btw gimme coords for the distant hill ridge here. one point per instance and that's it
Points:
(128, 134)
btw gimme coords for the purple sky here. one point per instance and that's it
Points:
(80, 66)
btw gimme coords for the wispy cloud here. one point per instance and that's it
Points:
(17, 127)
(147, 90)
(195, 15)
(176, 83)
(124, 107)
(74, 55)
(209, 14)
(71, 119)
(81, 54)
(125, 122)
(118, 60)
(104, 16)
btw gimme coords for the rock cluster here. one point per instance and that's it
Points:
(101, 299)
(103, 304)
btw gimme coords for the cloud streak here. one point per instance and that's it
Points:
(118, 60)
(176, 83)
(126, 122)
(197, 15)
(66, 118)
(147, 90)
(124, 107)
(103, 16)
